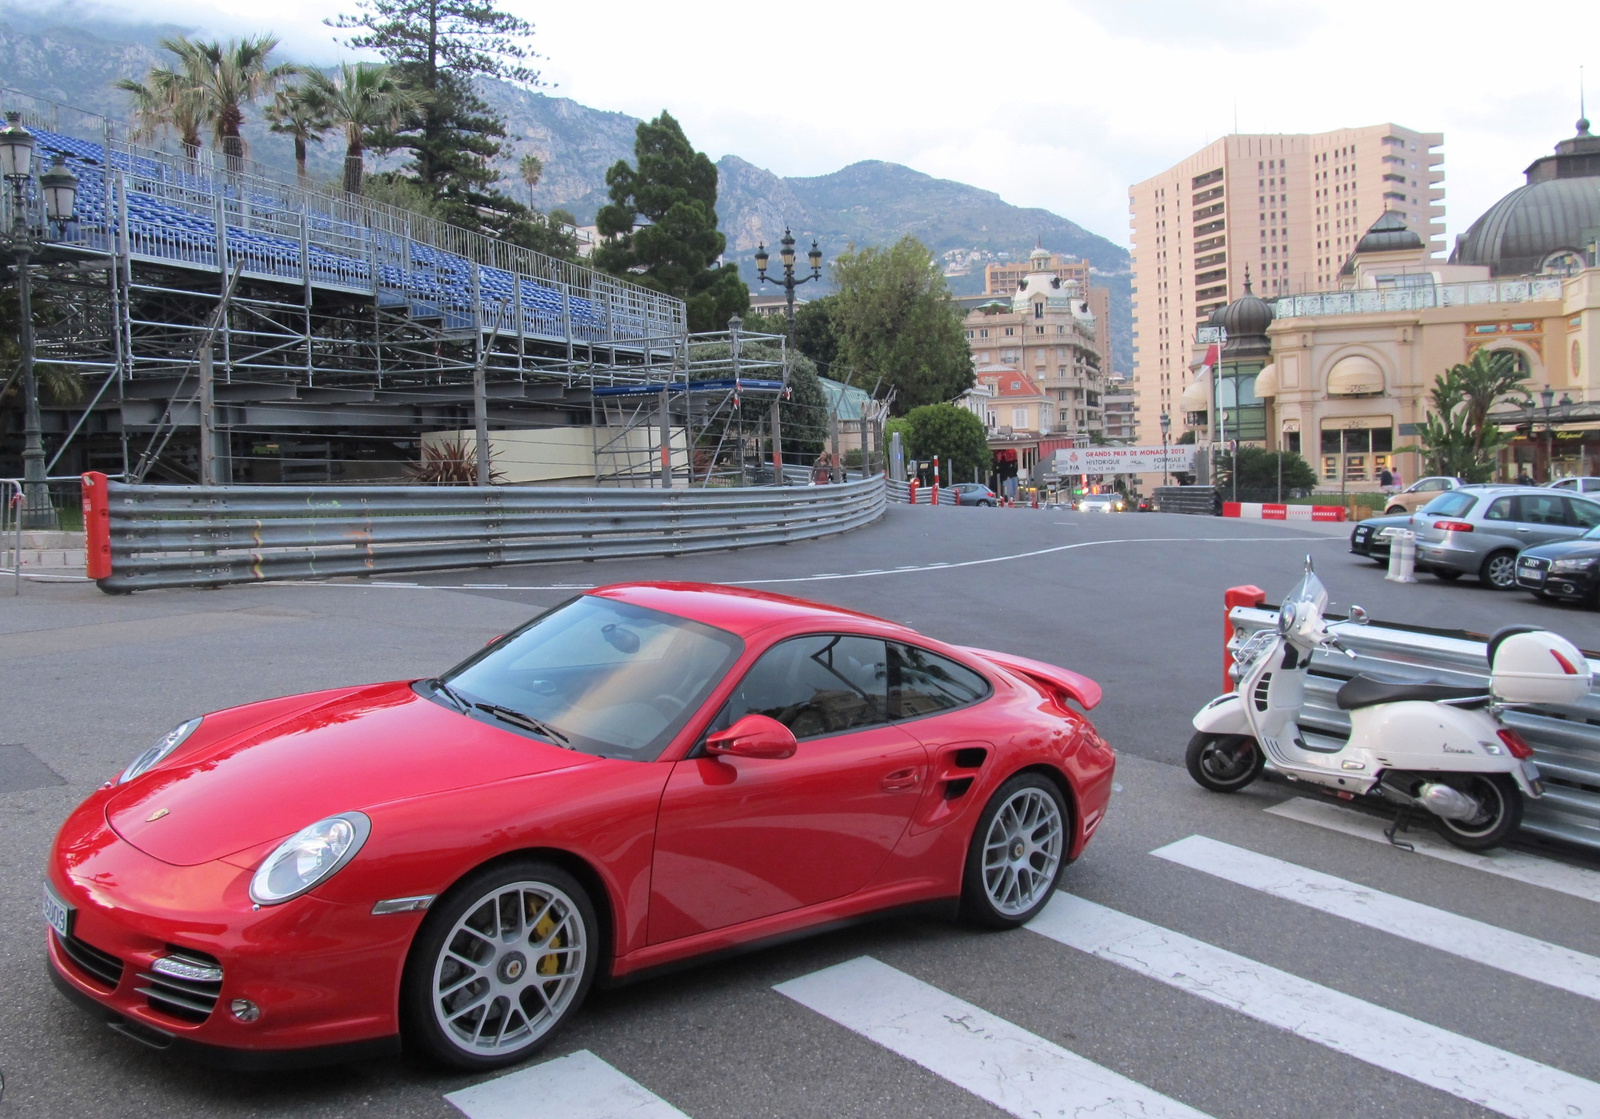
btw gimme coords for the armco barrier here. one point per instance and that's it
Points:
(900, 494)
(184, 536)
(1565, 740)
(1267, 511)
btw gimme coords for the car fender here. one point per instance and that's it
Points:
(1223, 715)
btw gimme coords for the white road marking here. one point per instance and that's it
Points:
(1017, 1071)
(577, 1086)
(1465, 1068)
(1517, 865)
(1534, 959)
(911, 569)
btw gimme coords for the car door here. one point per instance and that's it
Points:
(739, 838)
(1544, 517)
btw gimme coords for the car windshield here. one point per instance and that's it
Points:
(1593, 533)
(1452, 504)
(599, 676)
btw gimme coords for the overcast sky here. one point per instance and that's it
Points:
(1060, 105)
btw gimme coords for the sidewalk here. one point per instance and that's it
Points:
(55, 552)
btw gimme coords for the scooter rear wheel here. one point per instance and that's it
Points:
(1224, 763)
(1502, 804)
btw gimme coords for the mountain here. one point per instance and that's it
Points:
(61, 55)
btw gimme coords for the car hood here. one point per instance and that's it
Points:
(1565, 549)
(369, 747)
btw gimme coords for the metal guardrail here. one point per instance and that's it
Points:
(1565, 740)
(900, 494)
(184, 536)
(1199, 501)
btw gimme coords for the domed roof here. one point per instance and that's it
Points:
(1246, 320)
(1541, 226)
(1388, 234)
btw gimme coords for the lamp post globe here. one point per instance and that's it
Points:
(1166, 426)
(786, 256)
(60, 188)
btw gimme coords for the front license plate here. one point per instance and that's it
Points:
(57, 913)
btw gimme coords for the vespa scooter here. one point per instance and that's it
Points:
(1426, 746)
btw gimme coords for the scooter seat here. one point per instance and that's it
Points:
(1369, 691)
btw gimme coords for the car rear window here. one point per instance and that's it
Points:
(1452, 504)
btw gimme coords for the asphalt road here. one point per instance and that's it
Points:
(1311, 1012)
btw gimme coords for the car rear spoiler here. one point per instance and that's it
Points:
(1077, 687)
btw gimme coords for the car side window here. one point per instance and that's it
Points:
(1430, 485)
(1453, 504)
(1591, 485)
(1500, 510)
(1583, 514)
(1541, 509)
(921, 682)
(820, 684)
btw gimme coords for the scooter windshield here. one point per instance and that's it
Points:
(1309, 592)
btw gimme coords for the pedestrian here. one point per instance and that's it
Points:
(1385, 480)
(1398, 484)
(1524, 478)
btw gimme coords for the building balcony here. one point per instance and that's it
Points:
(1366, 302)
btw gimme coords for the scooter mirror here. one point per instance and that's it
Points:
(1359, 616)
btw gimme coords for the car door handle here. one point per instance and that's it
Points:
(1524, 529)
(901, 780)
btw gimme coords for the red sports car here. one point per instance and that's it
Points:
(647, 773)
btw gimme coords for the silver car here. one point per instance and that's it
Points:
(1478, 530)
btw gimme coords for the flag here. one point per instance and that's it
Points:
(1209, 362)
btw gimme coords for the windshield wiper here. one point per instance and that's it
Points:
(451, 694)
(526, 722)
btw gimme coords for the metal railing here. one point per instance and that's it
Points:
(900, 494)
(1367, 301)
(11, 503)
(181, 536)
(1565, 740)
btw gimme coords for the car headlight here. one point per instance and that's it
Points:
(1568, 566)
(308, 857)
(157, 753)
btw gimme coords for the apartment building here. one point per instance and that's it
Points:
(1290, 208)
(1001, 279)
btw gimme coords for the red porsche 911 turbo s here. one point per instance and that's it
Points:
(645, 774)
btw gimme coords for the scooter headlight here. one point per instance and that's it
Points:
(1288, 614)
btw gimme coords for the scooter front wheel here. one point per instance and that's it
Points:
(1223, 763)
(1501, 812)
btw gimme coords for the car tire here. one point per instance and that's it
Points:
(1499, 793)
(481, 944)
(1445, 575)
(1223, 763)
(1017, 853)
(1499, 571)
(1394, 510)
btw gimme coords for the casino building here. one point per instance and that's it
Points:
(1344, 375)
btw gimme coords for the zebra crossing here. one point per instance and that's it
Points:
(1023, 1073)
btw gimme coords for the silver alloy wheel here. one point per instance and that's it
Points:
(510, 968)
(1501, 571)
(1022, 851)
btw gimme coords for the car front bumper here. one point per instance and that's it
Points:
(1535, 575)
(324, 976)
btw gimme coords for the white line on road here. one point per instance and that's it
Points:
(1482, 943)
(1465, 1068)
(1017, 1071)
(912, 569)
(1517, 865)
(577, 1086)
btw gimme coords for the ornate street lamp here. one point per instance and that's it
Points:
(59, 188)
(788, 283)
(1547, 398)
(1166, 427)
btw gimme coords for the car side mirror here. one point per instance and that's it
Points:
(1359, 616)
(754, 736)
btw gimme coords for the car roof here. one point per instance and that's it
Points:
(739, 610)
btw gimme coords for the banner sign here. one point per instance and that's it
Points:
(1124, 460)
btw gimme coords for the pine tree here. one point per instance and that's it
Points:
(674, 250)
(437, 48)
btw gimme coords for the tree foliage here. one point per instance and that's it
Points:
(301, 117)
(802, 413)
(661, 226)
(1456, 436)
(1258, 468)
(228, 77)
(893, 318)
(954, 434)
(362, 100)
(437, 49)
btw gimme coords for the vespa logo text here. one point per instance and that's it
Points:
(1449, 749)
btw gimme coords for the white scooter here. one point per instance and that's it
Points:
(1431, 746)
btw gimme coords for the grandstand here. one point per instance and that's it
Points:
(352, 327)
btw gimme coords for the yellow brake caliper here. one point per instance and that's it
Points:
(548, 964)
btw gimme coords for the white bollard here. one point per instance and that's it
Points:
(1402, 555)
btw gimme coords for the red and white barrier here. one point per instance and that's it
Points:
(1258, 511)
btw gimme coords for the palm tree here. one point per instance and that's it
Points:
(230, 76)
(363, 97)
(298, 112)
(167, 99)
(531, 167)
